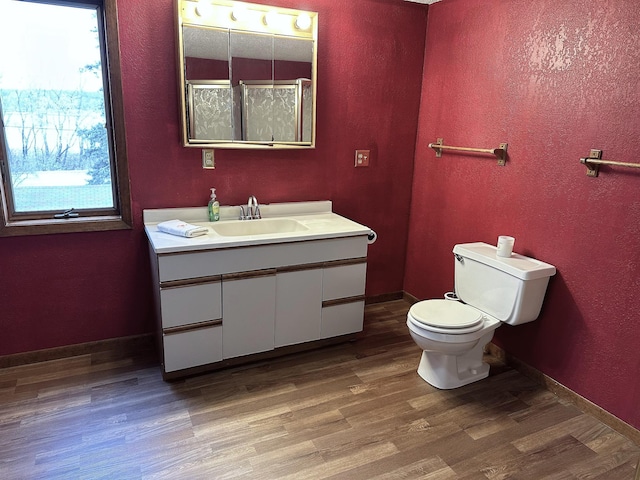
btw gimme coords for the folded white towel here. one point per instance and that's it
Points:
(182, 229)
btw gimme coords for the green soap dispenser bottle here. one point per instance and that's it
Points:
(214, 207)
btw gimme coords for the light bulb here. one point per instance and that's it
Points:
(303, 21)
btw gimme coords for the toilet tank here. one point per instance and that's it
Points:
(510, 289)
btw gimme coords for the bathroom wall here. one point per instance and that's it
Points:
(554, 80)
(65, 289)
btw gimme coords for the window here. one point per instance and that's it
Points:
(62, 145)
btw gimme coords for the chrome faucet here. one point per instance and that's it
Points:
(253, 209)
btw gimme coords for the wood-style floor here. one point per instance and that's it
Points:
(351, 411)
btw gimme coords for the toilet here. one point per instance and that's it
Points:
(489, 290)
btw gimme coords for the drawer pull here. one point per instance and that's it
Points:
(342, 301)
(187, 282)
(191, 326)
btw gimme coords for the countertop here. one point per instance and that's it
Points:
(318, 217)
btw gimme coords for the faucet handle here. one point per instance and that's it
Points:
(242, 214)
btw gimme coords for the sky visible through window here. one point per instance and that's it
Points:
(53, 107)
(46, 46)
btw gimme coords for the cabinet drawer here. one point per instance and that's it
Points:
(342, 319)
(188, 304)
(195, 347)
(344, 281)
(244, 259)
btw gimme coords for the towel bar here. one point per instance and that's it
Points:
(500, 152)
(594, 160)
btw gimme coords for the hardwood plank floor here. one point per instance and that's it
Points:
(352, 411)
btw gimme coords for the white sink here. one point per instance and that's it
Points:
(264, 226)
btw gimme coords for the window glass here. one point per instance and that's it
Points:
(58, 148)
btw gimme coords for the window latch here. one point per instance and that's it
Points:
(71, 213)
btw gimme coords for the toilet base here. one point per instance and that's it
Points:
(453, 371)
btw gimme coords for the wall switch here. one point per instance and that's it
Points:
(362, 158)
(207, 159)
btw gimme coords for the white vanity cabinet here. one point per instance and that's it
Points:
(221, 301)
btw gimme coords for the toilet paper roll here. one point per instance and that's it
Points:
(505, 246)
(372, 237)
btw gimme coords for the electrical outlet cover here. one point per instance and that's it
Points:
(208, 159)
(362, 158)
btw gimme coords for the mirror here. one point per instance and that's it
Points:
(247, 75)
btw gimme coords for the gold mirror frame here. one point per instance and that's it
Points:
(232, 29)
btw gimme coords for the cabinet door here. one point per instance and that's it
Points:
(298, 307)
(248, 314)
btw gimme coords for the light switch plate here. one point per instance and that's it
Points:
(362, 158)
(208, 160)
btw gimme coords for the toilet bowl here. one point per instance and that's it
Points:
(492, 290)
(452, 336)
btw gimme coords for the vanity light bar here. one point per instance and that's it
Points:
(229, 14)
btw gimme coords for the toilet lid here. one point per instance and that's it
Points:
(446, 314)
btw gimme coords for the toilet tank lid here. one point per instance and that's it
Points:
(519, 266)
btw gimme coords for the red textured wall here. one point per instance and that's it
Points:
(554, 80)
(66, 289)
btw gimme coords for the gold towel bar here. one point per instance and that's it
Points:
(500, 152)
(594, 160)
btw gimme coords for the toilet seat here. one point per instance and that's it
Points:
(446, 316)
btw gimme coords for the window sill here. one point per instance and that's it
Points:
(68, 225)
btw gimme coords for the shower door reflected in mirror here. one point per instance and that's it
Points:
(208, 89)
(276, 111)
